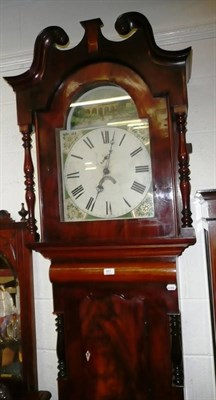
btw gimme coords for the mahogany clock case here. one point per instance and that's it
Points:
(114, 280)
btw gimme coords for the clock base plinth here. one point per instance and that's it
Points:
(120, 338)
(117, 310)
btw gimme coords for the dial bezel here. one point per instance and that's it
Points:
(155, 110)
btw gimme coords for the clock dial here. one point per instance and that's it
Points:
(105, 158)
(107, 173)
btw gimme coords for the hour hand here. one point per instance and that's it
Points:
(100, 187)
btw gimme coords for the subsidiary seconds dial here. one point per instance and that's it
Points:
(107, 173)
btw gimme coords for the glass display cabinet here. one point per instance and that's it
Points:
(18, 366)
(10, 330)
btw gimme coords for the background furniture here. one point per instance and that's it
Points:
(209, 196)
(18, 364)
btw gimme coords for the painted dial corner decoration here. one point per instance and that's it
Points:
(105, 159)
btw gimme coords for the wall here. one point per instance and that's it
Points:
(177, 24)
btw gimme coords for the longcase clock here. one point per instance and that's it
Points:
(114, 198)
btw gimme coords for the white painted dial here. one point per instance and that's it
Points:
(107, 172)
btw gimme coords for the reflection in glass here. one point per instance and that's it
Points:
(10, 334)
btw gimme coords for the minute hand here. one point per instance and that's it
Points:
(106, 170)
